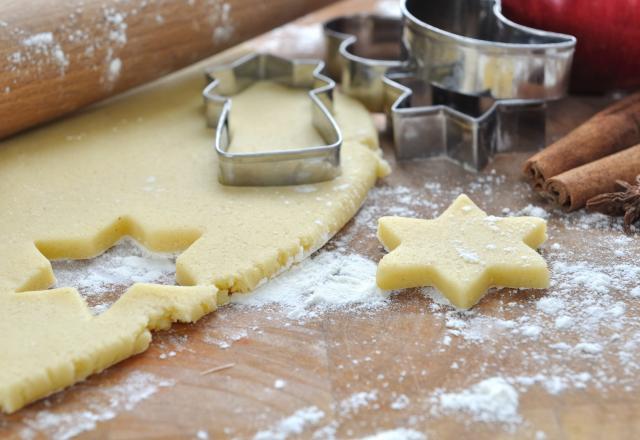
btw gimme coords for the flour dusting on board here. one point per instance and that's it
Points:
(123, 264)
(397, 434)
(492, 400)
(328, 281)
(580, 333)
(293, 425)
(99, 404)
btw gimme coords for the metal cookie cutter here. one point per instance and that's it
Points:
(360, 50)
(429, 121)
(284, 166)
(468, 85)
(470, 47)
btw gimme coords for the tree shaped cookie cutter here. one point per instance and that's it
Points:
(285, 166)
(465, 83)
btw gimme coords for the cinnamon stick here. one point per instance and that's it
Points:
(613, 129)
(573, 188)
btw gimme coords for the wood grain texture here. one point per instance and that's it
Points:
(57, 57)
(394, 350)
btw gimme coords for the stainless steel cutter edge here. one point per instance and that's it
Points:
(470, 141)
(434, 130)
(284, 166)
(536, 69)
(361, 77)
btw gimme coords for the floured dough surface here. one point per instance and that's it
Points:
(271, 116)
(144, 166)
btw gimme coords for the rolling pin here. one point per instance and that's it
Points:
(57, 57)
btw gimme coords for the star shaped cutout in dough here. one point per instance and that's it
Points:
(462, 253)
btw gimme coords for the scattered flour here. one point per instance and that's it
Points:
(467, 255)
(329, 281)
(400, 403)
(292, 425)
(113, 71)
(115, 37)
(492, 400)
(550, 305)
(224, 337)
(533, 211)
(117, 31)
(220, 20)
(579, 333)
(356, 401)
(41, 40)
(122, 265)
(39, 50)
(589, 348)
(397, 434)
(105, 404)
(531, 331)
(563, 322)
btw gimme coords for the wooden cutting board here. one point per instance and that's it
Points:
(378, 356)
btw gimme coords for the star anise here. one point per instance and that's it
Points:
(625, 202)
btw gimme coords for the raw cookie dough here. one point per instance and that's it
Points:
(144, 165)
(462, 253)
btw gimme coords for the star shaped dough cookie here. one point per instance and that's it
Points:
(462, 253)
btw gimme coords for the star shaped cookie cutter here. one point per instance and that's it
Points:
(285, 166)
(429, 121)
(465, 83)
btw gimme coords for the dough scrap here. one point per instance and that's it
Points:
(462, 253)
(144, 166)
(65, 343)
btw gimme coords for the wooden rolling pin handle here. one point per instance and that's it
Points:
(57, 57)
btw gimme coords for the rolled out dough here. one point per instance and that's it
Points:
(144, 166)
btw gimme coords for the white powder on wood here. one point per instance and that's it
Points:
(550, 305)
(220, 18)
(397, 434)
(492, 400)
(104, 404)
(224, 337)
(356, 401)
(119, 267)
(401, 402)
(39, 49)
(533, 211)
(113, 70)
(293, 425)
(329, 281)
(39, 40)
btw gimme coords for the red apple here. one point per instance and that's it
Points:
(608, 31)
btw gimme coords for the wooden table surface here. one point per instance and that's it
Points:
(388, 352)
